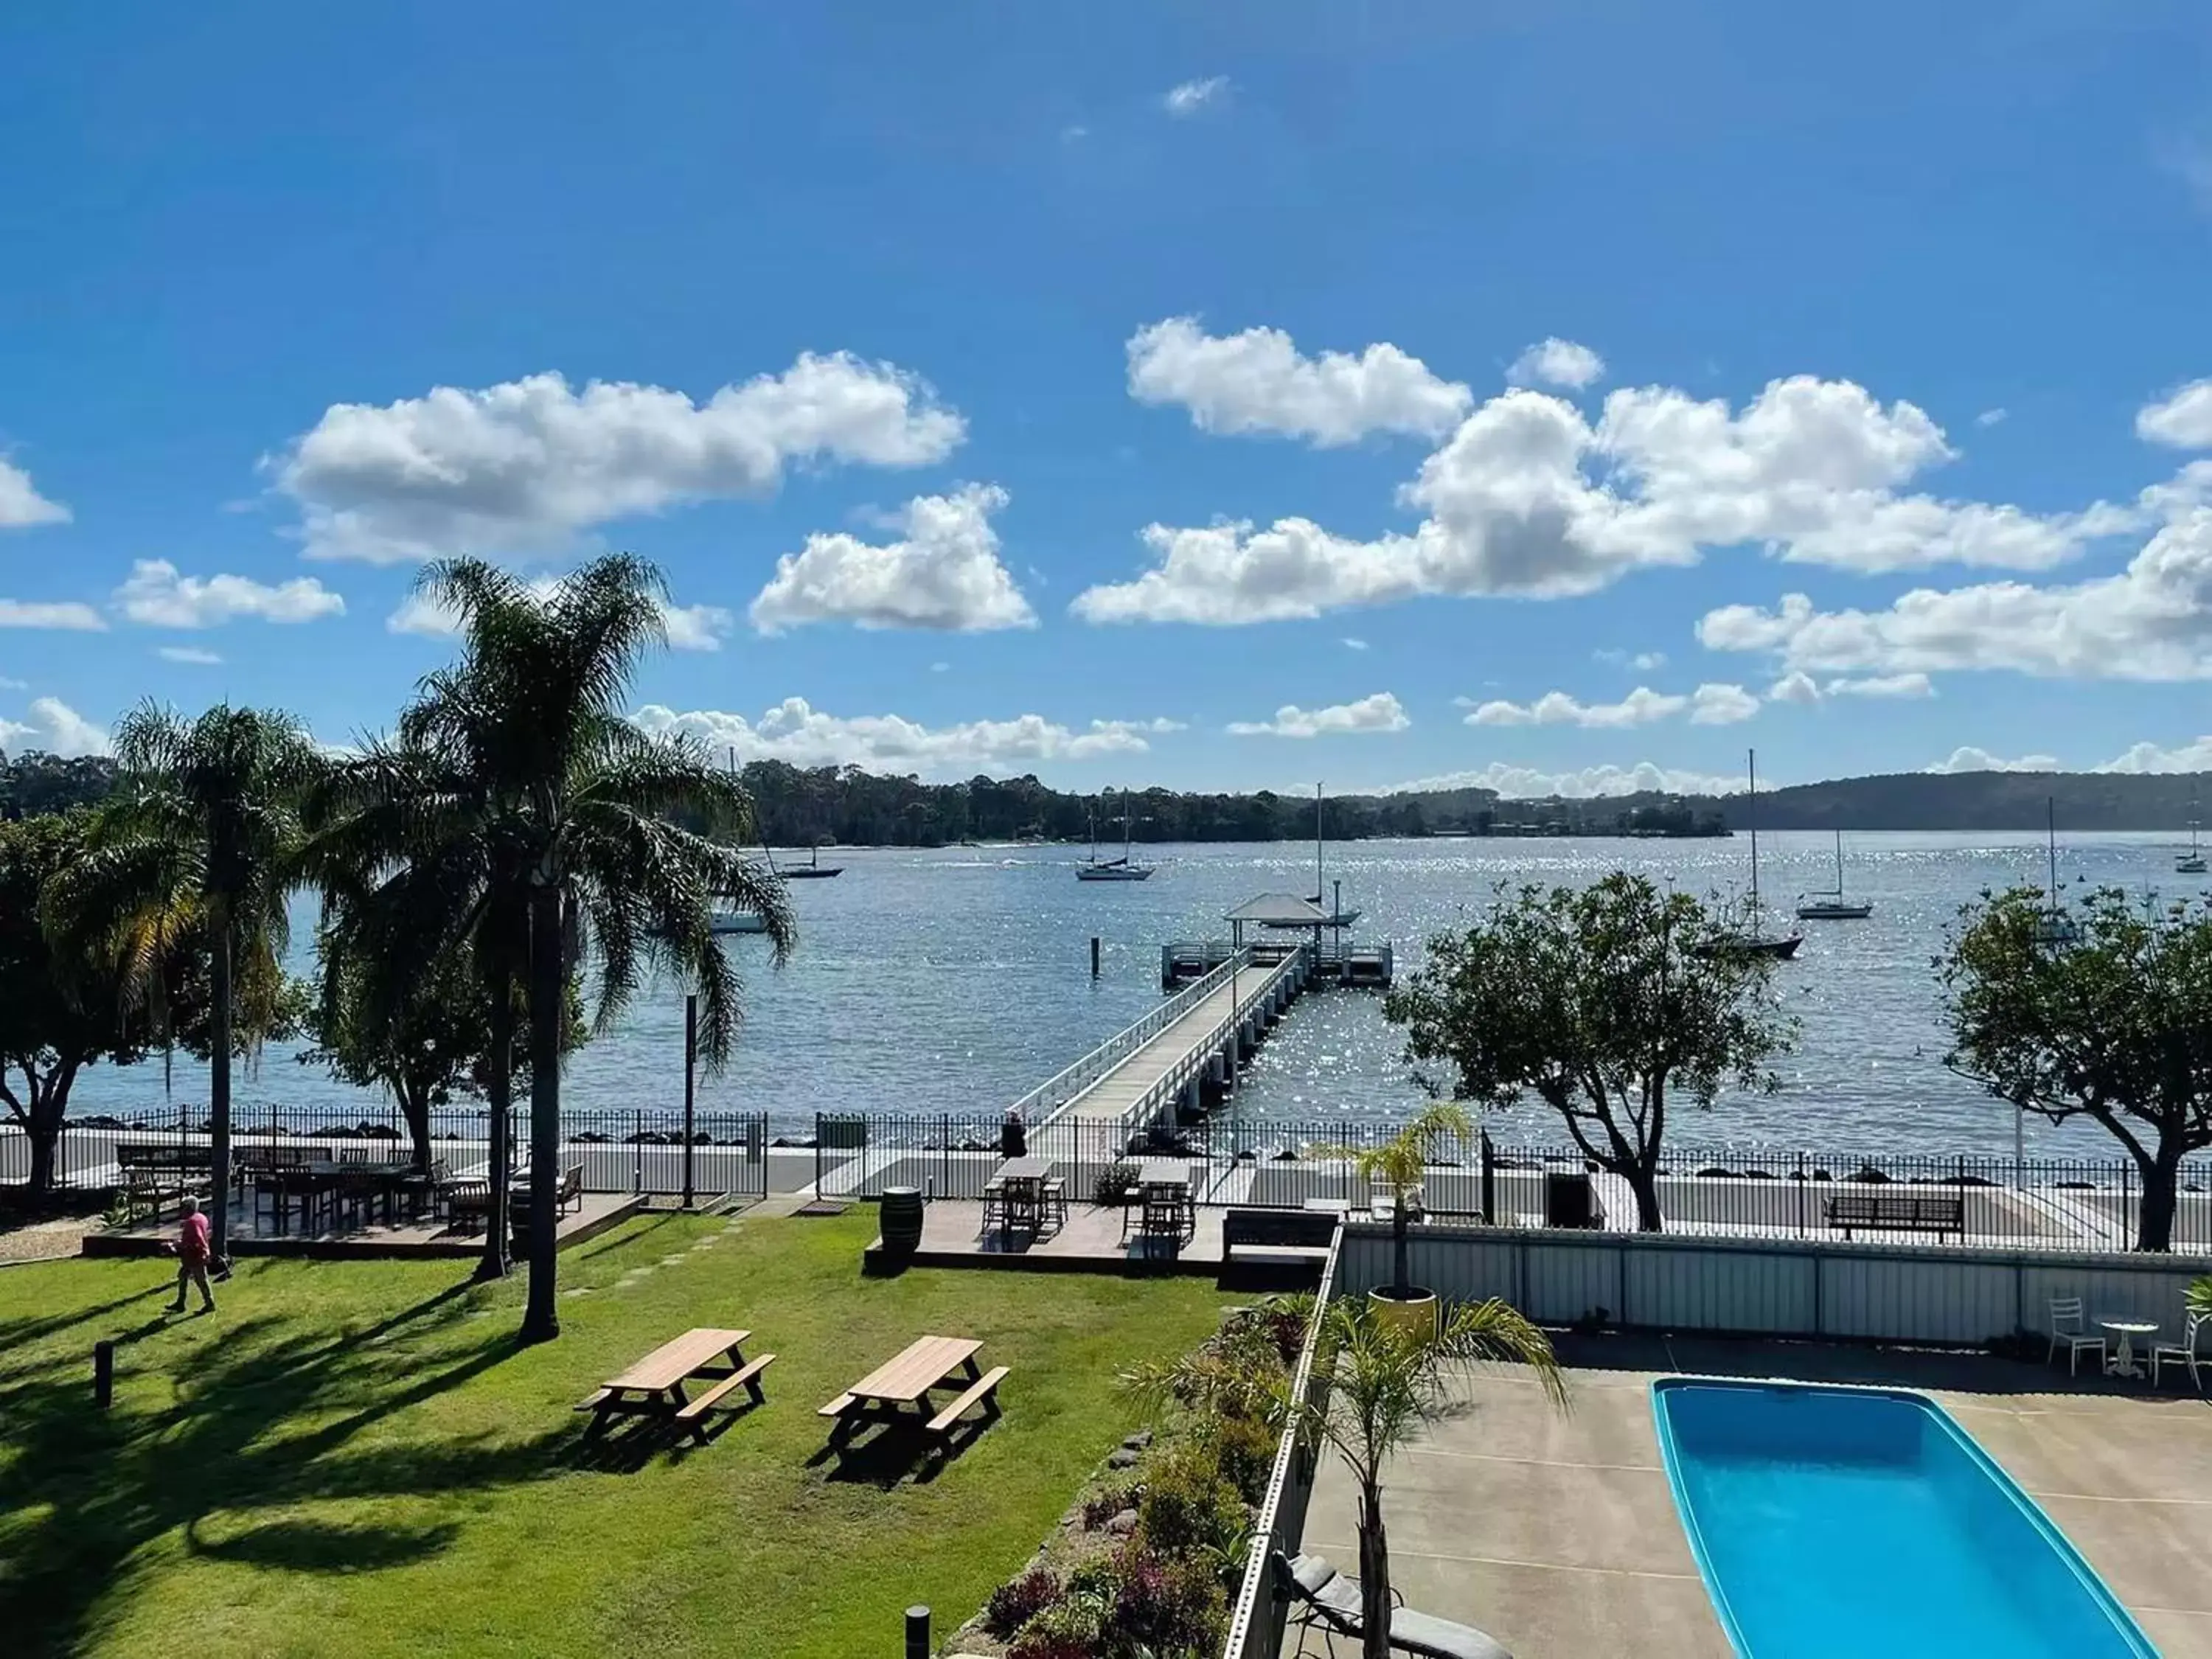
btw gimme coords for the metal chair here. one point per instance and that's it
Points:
(2070, 1329)
(2182, 1353)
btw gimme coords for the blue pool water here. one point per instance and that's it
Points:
(1836, 1522)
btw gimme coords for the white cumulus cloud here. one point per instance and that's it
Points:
(189, 653)
(690, 627)
(526, 465)
(2182, 419)
(1714, 704)
(158, 595)
(1967, 759)
(1258, 381)
(1554, 361)
(2195, 755)
(55, 727)
(1533, 783)
(21, 504)
(944, 572)
(796, 732)
(1380, 712)
(1710, 704)
(1188, 97)
(60, 613)
(1528, 497)
(1798, 687)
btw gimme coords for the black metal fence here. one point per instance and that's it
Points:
(617, 1152)
(2037, 1202)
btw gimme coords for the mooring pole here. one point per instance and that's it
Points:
(1094, 956)
(690, 1086)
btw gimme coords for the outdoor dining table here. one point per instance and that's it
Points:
(1163, 1183)
(2125, 1361)
(310, 1181)
(1021, 1182)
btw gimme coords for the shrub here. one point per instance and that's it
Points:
(1188, 1509)
(1244, 1450)
(1068, 1629)
(1166, 1608)
(1013, 1606)
(1115, 1182)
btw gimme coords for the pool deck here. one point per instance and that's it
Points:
(1555, 1533)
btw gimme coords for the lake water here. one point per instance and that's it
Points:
(954, 980)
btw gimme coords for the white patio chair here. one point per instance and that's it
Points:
(2182, 1353)
(2070, 1329)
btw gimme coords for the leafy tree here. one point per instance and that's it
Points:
(193, 856)
(523, 815)
(1606, 1003)
(2114, 1026)
(427, 1040)
(59, 1012)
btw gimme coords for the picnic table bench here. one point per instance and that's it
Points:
(655, 1385)
(1903, 1212)
(155, 1173)
(909, 1377)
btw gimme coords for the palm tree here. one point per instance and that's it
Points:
(520, 811)
(1400, 1164)
(196, 850)
(1385, 1383)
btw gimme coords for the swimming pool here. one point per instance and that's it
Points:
(1832, 1522)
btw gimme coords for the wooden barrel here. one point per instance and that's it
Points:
(902, 1220)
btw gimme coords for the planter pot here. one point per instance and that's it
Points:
(901, 1221)
(1415, 1314)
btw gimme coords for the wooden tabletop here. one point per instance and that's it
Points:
(1163, 1172)
(672, 1361)
(921, 1367)
(1025, 1169)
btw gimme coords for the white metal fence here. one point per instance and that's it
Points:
(1773, 1287)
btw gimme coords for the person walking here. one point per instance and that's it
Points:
(191, 1253)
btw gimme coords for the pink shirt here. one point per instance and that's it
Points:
(192, 1240)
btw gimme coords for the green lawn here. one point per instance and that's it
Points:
(356, 1459)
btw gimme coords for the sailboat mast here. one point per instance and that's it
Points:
(2051, 823)
(1839, 864)
(1750, 812)
(1317, 881)
(1125, 823)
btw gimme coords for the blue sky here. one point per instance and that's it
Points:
(1159, 394)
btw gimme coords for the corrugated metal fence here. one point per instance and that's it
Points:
(1773, 1287)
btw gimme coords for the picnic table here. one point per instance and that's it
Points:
(365, 1183)
(655, 1385)
(901, 1387)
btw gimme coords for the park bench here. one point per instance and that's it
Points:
(1283, 1238)
(1898, 1213)
(155, 1173)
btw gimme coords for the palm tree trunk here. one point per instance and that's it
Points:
(219, 1089)
(540, 1322)
(1374, 1574)
(498, 1094)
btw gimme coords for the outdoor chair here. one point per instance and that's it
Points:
(2070, 1329)
(1329, 1602)
(2182, 1353)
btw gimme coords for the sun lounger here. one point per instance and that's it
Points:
(1329, 1602)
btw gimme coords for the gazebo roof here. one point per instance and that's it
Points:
(1279, 910)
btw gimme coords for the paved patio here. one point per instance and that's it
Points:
(1557, 1534)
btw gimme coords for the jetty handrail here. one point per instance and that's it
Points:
(1063, 1086)
(1170, 1084)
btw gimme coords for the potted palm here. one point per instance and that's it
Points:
(1399, 1164)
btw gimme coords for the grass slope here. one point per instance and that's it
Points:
(356, 1458)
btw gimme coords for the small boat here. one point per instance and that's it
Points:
(812, 870)
(1828, 903)
(1752, 940)
(738, 921)
(2191, 863)
(1121, 869)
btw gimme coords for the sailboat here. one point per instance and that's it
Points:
(1828, 903)
(1121, 869)
(2191, 863)
(812, 870)
(2055, 926)
(1751, 941)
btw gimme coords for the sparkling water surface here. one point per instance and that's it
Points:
(953, 981)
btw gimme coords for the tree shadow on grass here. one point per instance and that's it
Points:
(891, 1453)
(84, 1493)
(627, 1236)
(16, 1334)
